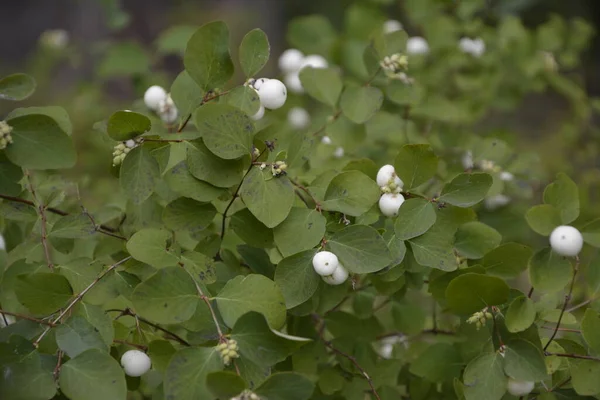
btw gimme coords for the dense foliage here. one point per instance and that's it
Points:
(360, 241)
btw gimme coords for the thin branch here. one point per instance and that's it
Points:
(305, 190)
(27, 317)
(563, 329)
(320, 329)
(139, 346)
(205, 100)
(582, 304)
(530, 292)
(329, 121)
(565, 304)
(579, 356)
(557, 386)
(164, 140)
(41, 209)
(208, 304)
(58, 364)
(130, 313)
(98, 228)
(78, 298)
(372, 78)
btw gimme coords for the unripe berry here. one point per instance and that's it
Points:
(272, 94)
(566, 241)
(339, 276)
(389, 203)
(293, 83)
(298, 118)
(153, 96)
(385, 175)
(259, 82)
(290, 60)
(417, 45)
(135, 362)
(519, 388)
(392, 25)
(259, 114)
(314, 61)
(325, 263)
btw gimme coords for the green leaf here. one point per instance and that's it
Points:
(73, 226)
(58, 114)
(405, 95)
(125, 125)
(244, 98)
(253, 292)
(174, 39)
(466, 189)
(435, 247)
(189, 215)
(254, 52)
(352, 193)
(139, 175)
(251, 230)
(17, 87)
(408, 318)
(474, 239)
(226, 130)
(286, 386)
(297, 278)
(508, 260)
(185, 378)
(100, 320)
(549, 272)
(201, 267)
(524, 361)
(10, 175)
(43, 292)
(543, 218)
(520, 314)
(93, 375)
(590, 326)
(563, 194)
(160, 352)
(415, 217)
(590, 231)
(167, 297)
(181, 181)
(124, 59)
(303, 229)
(484, 378)
(207, 57)
(439, 362)
(225, 384)
(360, 249)
(323, 84)
(415, 164)
(150, 246)
(15, 211)
(257, 260)
(311, 34)
(40, 143)
(360, 103)
(584, 375)
(77, 335)
(186, 94)
(208, 167)
(258, 343)
(268, 198)
(471, 292)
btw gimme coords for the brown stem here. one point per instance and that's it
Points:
(58, 364)
(565, 304)
(372, 77)
(329, 121)
(320, 329)
(305, 190)
(27, 317)
(130, 313)
(139, 346)
(98, 228)
(41, 209)
(563, 329)
(206, 99)
(164, 140)
(530, 292)
(579, 356)
(78, 298)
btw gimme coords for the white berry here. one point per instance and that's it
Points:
(392, 25)
(314, 61)
(475, 47)
(130, 143)
(2, 243)
(389, 203)
(272, 94)
(290, 60)
(385, 175)
(259, 114)
(339, 152)
(417, 45)
(326, 140)
(497, 201)
(135, 362)
(259, 82)
(298, 118)
(506, 176)
(153, 96)
(519, 388)
(325, 263)
(293, 83)
(467, 160)
(566, 241)
(339, 276)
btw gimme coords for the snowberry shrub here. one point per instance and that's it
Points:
(343, 236)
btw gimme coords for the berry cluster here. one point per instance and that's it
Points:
(228, 350)
(480, 318)
(246, 395)
(292, 61)
(271, 92)
(135, 362)
(395, 67)
(474, 47)
(5, 137)
(122, 149)
(391, 186)
(329, 267)
(157, 99)
(278, 168)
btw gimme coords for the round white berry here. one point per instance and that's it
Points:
(385, 175)
(298, 118)
(130, 143)
(477, 47)
(293, 83)
(519, 388)
(465, 45)
(467, 160)
(326, 140)
(259, 82)
(153, 96)
(417, 45)
(2, 243)
(272, 94)
(339, 152)
(290, 60)
(389, 203)
(169, 115)
(506, 176)
(135, 362)
(259, 114)
(325, 262)
(392, 25)
(566, 241)
(497, 201)
(314, 61)
(339, 276)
